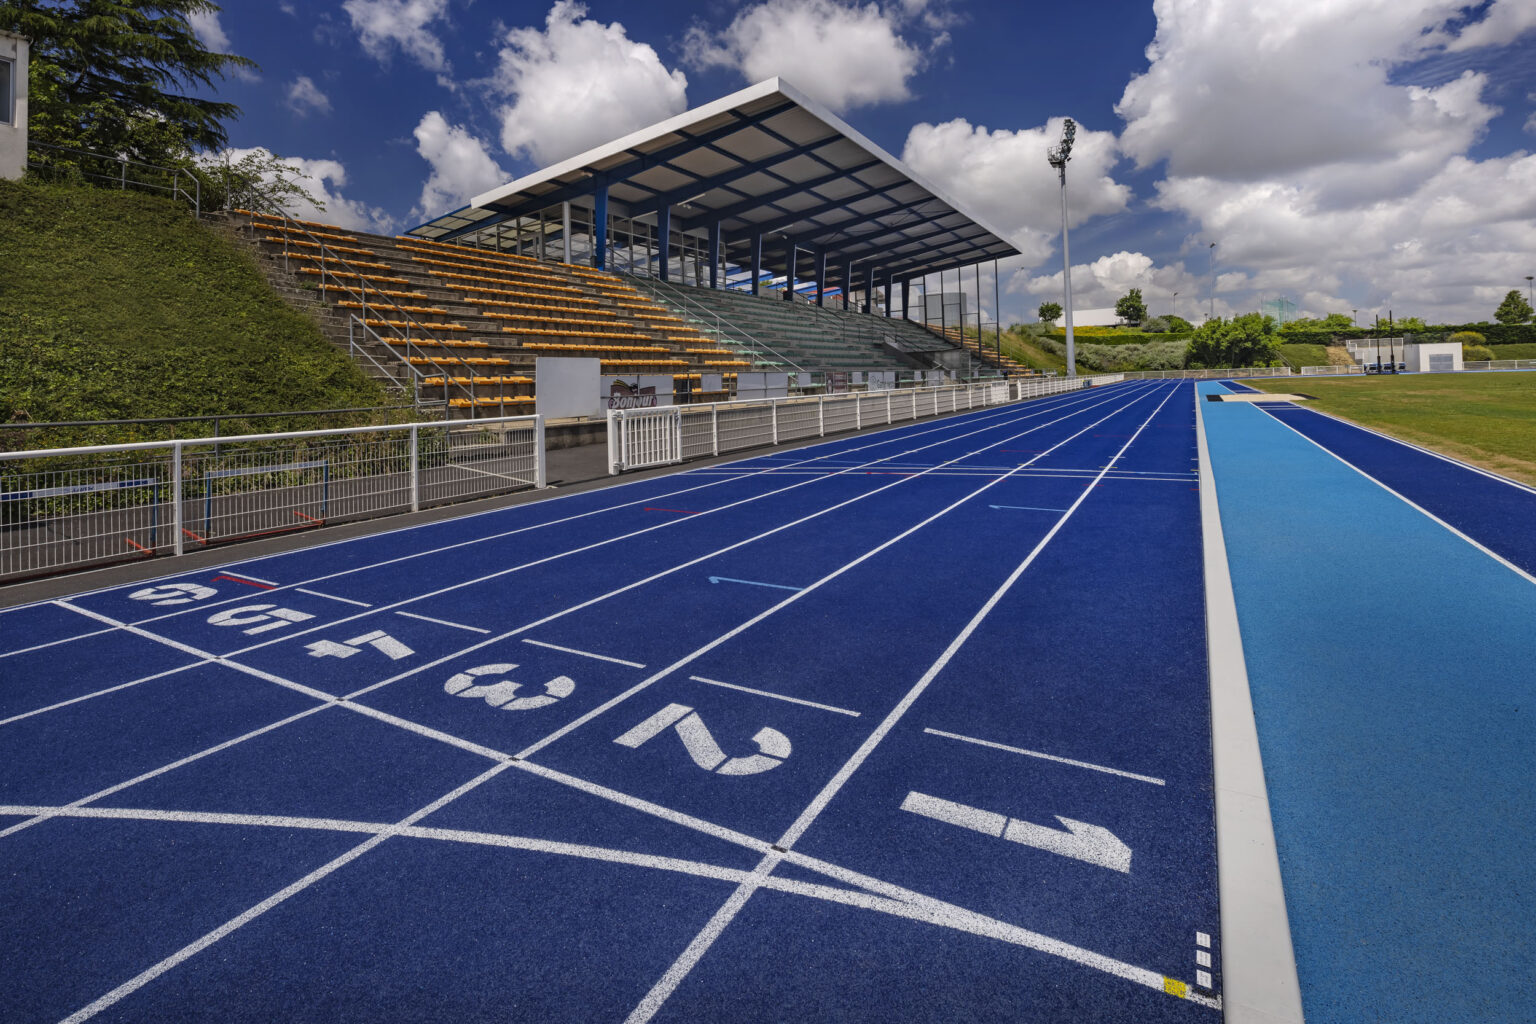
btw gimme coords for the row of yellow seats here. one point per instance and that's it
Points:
(536, 306)
(575, 334)
(437, 381)
(277, 225)
(402, 325)
(459, 360)
(347, 274)
(428, 245)
(527, 295)
(566, 320)
(607, 363)
(462, 403)
(306, 244)
(495, 280)
(354, 304)
(552, 346)
(434, 343)
(322, 258)
(499, 260)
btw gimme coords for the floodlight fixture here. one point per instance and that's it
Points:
(1057, 157)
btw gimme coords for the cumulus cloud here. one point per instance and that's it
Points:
(1003, 176)
(843, 55)
(205, 25)
(323, 179)
(1289, 137)
(305, 97)
(384, 26)
(578, 83)
(461, 167)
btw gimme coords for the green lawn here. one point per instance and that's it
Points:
(1514, 351)
(119, 305)
(1488, 419)
(1306, 355)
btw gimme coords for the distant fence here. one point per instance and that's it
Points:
(1333, 370)
(69, 508)
(1247, 371)
(638, 438)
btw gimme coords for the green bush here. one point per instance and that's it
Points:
(1467, 338)
(120, 305)
(1476, 353)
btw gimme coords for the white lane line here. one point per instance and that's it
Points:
(55, 643)
(1259, 979)
(765, 693)
(192, 949)
(707, 556)
(583, 654)
(1506, 563)
(439, 622)
(666, 525)
(196, 652)
(486, 472)
(154, 772)
(717, 924)
(332, 597)
(791, 599)
(1046, 757)
(101, 693)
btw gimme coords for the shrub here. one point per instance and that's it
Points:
(1476, 353)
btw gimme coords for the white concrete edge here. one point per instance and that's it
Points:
(1258, 963)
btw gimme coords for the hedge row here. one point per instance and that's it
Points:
(1080, 337)
(1497, 334)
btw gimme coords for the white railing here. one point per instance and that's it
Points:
(1218, 374)
(1501, 364)
(68, 508)
(1333, 370)
(638, 438)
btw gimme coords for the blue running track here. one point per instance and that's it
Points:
(905, 726)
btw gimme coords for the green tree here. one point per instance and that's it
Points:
(1247, 340)
(117, 76)
(257, 181)
(1130, 308)
(1049, 311)
(1514, 309)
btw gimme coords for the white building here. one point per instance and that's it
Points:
(13, 105)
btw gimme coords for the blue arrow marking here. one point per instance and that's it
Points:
(1028, 508)
(752, 583)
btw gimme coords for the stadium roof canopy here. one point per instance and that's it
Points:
(757, 172)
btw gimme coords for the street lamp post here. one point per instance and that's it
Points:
(1210, 269)
(1058, 157)
(1354, 319)
(1528, 297)
(1175, 310)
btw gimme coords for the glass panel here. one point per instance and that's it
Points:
(7, 73)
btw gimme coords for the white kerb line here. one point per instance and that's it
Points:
(192, 949)
(332, 597)
(701, 943)
(1046, 757)
(791, 599)
(442, 622)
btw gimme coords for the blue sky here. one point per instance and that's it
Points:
(1344, 154)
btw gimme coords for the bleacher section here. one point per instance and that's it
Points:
(802, 335)
(470, 323)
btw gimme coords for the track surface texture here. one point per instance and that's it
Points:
(906, 726)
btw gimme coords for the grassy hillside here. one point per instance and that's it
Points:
(1305, 355)
(1488, 419)
(115, 305)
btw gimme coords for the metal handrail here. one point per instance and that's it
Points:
(655, 285)
(195, 197)
(362, 297)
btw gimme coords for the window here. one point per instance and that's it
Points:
(7, 90)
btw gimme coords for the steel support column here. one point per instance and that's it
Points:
(664, 240)
(714, 255)
(821, 278)
(600, 226)
(757, 264)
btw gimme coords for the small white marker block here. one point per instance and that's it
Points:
(1202, 939)
(1203, 979)
(1202, 958)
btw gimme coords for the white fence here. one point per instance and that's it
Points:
(68, 508)
(1483, 364)
(1246, 371)
(1335, 370)
(638, 438)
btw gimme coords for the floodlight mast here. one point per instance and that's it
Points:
(1058, 157)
